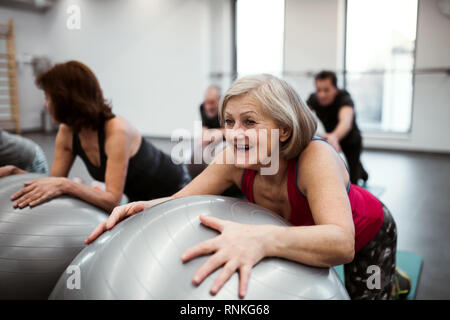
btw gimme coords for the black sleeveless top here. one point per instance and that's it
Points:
(151, 173)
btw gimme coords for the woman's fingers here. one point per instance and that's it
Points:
(214, 262)
(213, 223)
(115, 216)
(31, 197)
(138, 207)
(200, 249)
(225, 274)
(96, 233)
(119, 213)
(21, 192)
(26, 184)
(244, 277)
(26, 199)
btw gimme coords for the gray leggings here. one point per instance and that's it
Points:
(379, 253)
(39, 164)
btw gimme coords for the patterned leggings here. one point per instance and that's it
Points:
(378, 255)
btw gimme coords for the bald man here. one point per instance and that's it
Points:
(209, 109)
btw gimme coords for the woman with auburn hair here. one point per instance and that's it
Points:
(112, 150)
(334, 222)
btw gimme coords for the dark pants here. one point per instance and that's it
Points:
(352, 152)
(379, 253)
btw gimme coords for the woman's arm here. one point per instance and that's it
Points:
(215, 179)
(117, 149)
(118, 144)
(40, 190)
(331, 241)
(10, 170)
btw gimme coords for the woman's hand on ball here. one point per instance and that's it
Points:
(37, 191)
(238, 248)
(118, 214)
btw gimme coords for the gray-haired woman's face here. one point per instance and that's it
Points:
(249, 132)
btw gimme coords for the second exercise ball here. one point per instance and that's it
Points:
(37, 244)
(140, 259)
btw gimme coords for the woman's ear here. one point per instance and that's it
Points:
(285, 133)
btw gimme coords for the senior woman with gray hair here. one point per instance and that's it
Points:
(334, 222)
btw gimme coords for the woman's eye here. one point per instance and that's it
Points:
(250, 122)
(229, 122)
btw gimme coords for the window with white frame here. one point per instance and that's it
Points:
(380, 46)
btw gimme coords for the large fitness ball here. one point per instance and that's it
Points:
(37, 244)
(140, 259)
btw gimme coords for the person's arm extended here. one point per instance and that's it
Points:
(331, 241)
(43, 189)
(215, 179)
(345, 122)
(104, 199)
(10, 170)
(117, 148)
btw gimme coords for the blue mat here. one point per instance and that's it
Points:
(409, 262)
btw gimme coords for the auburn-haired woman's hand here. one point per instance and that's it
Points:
(38, 191)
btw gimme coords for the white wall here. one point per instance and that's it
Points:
(221, 46)
(430, 129)
(313, 40)
(312, 35)
(151, 57)
(29, 40)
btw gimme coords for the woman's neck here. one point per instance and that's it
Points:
(279, 176)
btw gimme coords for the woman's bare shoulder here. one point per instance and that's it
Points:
(117, 124)
(64, 137)
(317, 159)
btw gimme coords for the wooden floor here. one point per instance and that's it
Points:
(417, 191)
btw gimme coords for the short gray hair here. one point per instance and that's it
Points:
(279, 100)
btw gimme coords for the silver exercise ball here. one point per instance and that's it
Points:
(37, 244)
(140, 259)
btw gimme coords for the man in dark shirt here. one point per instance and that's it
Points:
(335, 109)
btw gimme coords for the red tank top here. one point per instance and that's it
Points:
(366, 209)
